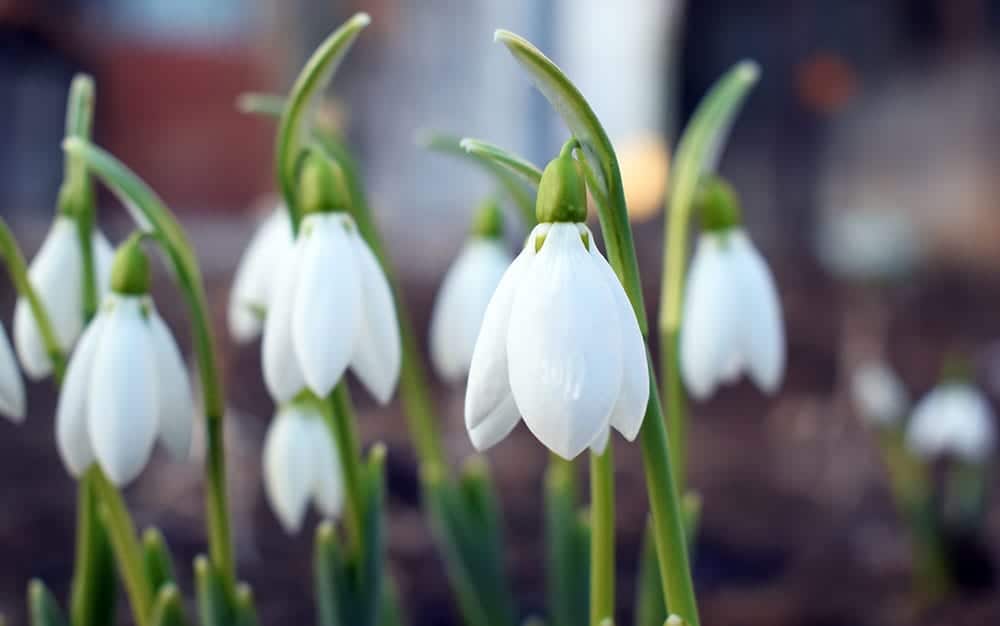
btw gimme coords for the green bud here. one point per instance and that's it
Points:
(562, 193)
(488, 222)
(717, 204)
(322, 185)
(130, 273)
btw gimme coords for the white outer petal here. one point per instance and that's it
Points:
(630, 408)
(11, 385)
(953, 419)
(288, 467)
(488, 386)
(495, 427)
(760, 307)
(104, 254)
(328, 477)
(564, 347)
(254, 280)
(55, 275)
(326, 313)
(282, 373)
(377, 351)
(175, 401)
(122, 406)
(72, 433)
(707, 334)
(461, 304)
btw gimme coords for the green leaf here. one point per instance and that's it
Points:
(43, 610)
(168, 610)
(267, 104)
(156, 557)
(650, 605)
(327, 567)
(568, 571)
(512, 182)
(295, 128)
(246, 610)
(389, 613)
(213, 605)
(599, 156)
(524, 168)
(94, 590)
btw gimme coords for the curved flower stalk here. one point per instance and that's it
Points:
(953, 419)
(301, 464)
(99, 418)
(333, 307)
(58, 277)
(254, 281)
(465, 292)
(879, 396)
(732, 313)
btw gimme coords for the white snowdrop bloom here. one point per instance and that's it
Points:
(126, 383)
(56, 274)
(301, 464)
(12, 403)
(465, 292)
(732, 316)
(879, 396)
(560, 346)
(954, 418)
(868, 244)
(332, 307)
(254, 280)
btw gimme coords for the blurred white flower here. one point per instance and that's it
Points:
(956, 419)
(461, 304)
(868, 244)
(255, 275)
(878, 394)
(732, 316)
(12, 403)
(332, 307)
(125, 385)
(301, 464)
(561, 346)
(56, 274)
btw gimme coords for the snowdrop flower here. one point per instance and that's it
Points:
(559, 344)
(254, 281)
(301, 464)
(11, 386)
(879, 395)
(57, 275)
(126, 382)
(465, 292)
(732, 315)
(956, 419)
(332, 306)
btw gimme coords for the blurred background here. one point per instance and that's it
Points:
(865, 159)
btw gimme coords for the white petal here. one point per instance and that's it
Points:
(72, 434)
(122, 405)
(377, 353)
(488, 384)
(104, 254)
(176, 403)
(707, 329)
(11, 385)
(630, 407)
(496, 426)
(760, 308)
(953, 419)
(564, 347)
(288, 467)
(55, 275)
(461, 304)
(282, 373)
(599, 445)
(254, 280)
(326, 313)
(328, 478)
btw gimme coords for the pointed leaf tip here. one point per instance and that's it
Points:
(749, 70)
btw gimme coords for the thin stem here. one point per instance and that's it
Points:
(602, 541)
(125, 544)
(676, 399)
(340, 418)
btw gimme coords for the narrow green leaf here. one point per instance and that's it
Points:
(524, 168)
(327, 565)
(568, 566)
(94, 590)
(390, 613)
(296, 121)
(156, 557)
(213, 605)
(168, 610)
(43, 610)
(267, 104)
(246, 609)
(599, 155)
(650, 605)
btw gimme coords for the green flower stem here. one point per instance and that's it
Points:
(152, 215)
(602, 542)
(341, 421)
(676, 399)
(92, 598)
(125, 544)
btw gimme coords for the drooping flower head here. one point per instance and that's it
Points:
(559, 344)
(255, 275)
(126, 383)
(332, 307)
(56, 273)
(953, 419)
(301, 464)
(879, 396)
(732, 314)
(465, 293)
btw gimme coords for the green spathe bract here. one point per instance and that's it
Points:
(718, 205)
(322, 187)
(130, 273)
(488, 221)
